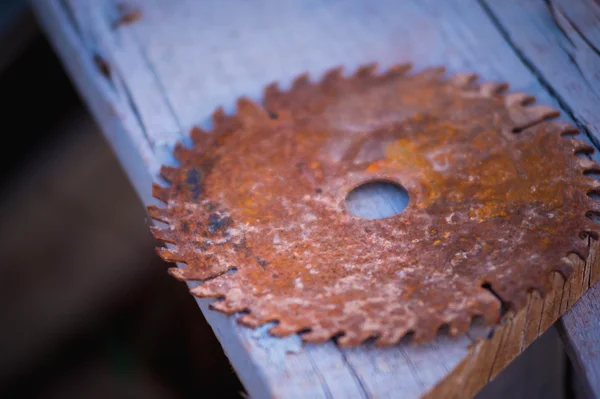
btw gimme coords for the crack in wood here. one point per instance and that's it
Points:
(413, 369)
(161, 87)
(110, 73)
(574, 26)
(320, 377)
(135, 110)
(537, 73)
(355, 375)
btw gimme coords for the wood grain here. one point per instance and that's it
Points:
(170, 69)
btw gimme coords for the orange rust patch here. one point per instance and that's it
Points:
(263, 193)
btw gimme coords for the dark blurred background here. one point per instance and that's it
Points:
(86, 307)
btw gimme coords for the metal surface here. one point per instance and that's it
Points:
(256, 210)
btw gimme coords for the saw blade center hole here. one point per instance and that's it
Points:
(377, 200)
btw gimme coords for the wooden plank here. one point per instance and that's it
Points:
(193, 56)
(559, 41)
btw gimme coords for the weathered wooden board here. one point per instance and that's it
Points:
(169, 70)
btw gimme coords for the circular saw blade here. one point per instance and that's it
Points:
(256, 210)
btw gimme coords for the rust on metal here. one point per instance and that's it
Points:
(256, 210)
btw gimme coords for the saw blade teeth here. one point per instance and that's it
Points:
(316, 335)
(227, 307)
(390, 337)
(459, 326)
(177, 273)
(588, 164)
(199, 136)
(220, 306)
(594, 212)
(519, 300)
(528, 116)
(204, 291)
(542, 287)
(190, 274)
(430, 73)
(463, 80)
(491, 318)
(247, 107)
(581, 147)
(159, 213)
(423, 335)
(564, 267)
(332, 75)
(593, 209)
(250, 320)
(365, 71)
(218, 115)
(221, 121)
(160, 193)
(351, 338)
(396, 71)
(170, 255)
(518, 99)
(490, 89)
(283, 330)
(181, 152)
(593, 185)
(565, 128)
(271, 92)
(591, 229)
(301, 82)
(580, 247)
(163, 234)
(169, 173)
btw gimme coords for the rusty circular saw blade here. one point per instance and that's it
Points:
(256, 210)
